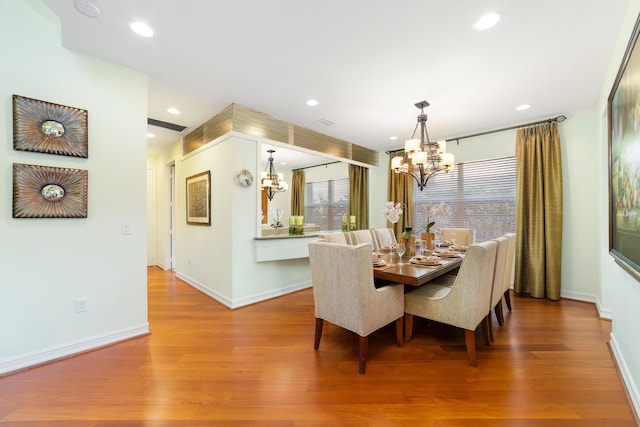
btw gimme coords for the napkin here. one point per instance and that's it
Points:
(379, 263)
(459, 248)
(447, 254)
(425, 260)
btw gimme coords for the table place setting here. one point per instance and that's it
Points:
(425, 261)
(447, 254)
(377, 261)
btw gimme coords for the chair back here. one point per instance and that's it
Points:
(344, 292)
(471, 291)
(509, 266)
(384, 237)
(499, 271)
(463, 236)
(362, 236)
(339, 237)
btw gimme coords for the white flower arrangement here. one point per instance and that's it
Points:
(277, 215)
(393, 211)
(440, 212)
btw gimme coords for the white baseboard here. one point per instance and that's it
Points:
(602, 313)
(202, 288)
(271, 294)
(246, 300)
(29, 360)
(631, 387)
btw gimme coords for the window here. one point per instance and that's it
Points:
(325, 203)
(479, 195)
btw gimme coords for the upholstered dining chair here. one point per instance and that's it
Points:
(509, 270)
(384, 237)
(362, 236)
(338, 237)
(498, 281)
(463, 304)
(344, 294)
(463, 236)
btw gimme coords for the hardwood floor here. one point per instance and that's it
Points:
(205, 365)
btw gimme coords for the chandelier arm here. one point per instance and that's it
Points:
(413, 135)
(420, 185)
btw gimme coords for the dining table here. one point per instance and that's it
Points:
(411, 274)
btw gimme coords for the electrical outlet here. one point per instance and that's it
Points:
(82, 305)
(189, 260)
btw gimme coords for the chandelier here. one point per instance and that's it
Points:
(422, 158)
(272, 182)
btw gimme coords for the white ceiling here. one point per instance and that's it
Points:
(367, 62)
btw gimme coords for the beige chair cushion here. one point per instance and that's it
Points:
(343, 289)
(509, 263)
(465, 303)
(335, 238)
(362, 236)
(498, 271)
(463, 236)
(384, 238)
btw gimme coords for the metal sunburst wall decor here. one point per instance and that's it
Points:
(44, 127)
(49, 192)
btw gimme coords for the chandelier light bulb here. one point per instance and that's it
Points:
(423, 158)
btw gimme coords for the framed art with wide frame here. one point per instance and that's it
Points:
(199, 199)
(49, 192)
(44, 127)
(624, 161)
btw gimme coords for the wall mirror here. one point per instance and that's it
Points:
(285, 160)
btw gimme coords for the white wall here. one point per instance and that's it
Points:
(625, 289)
(48, 263)
(221, 260)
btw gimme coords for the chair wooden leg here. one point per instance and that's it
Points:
(319, 323)
(470, 341)
(408, 327)
(400, 331)
(489, 321)
(499, 314)
(484, 327)
(362, 354)
(507, 298)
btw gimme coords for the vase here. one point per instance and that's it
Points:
(429, 239)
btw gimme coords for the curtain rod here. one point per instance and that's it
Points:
(557, 119)
(315, 166)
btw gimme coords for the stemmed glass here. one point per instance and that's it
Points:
(400, 248)
(438, 239)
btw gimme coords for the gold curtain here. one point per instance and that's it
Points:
(400, 189)
(359, 195)
(538, 212)
(297, 193)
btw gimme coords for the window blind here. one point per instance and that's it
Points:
(326, 202)
(479, 195)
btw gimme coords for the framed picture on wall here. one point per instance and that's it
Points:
(199, 199)
(624, 161)
(49, 192)
(44, 127)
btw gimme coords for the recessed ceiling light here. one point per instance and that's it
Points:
(312, 102)
(523, 107)
(150, 135)
(142, 29)
(486, 21)
(393, 138)
(173, 110)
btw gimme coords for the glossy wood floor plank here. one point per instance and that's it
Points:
(205, 365)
